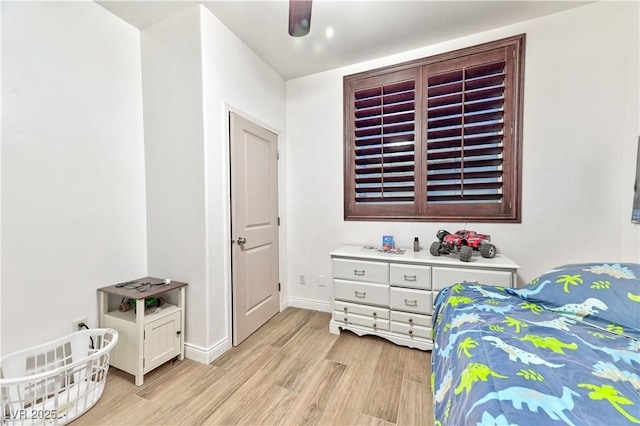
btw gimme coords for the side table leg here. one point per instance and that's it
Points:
(140, 325)
(183, 326)
(102, 307)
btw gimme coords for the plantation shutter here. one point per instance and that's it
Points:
(438, 138)
(383, 135)
(468, 129)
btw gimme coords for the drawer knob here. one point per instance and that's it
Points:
(345, 319)
(410, 332)
(361, 294)
(345, 309)
(410, 278)
(411, 321)
(358, 272)
(411, 302)
(375, 325)
(375, 314)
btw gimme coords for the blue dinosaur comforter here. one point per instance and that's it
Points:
(563, 350)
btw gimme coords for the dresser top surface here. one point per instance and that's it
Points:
(422, 257)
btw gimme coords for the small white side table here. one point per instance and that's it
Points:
(147, 337)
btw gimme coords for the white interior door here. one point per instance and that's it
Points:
(254, 226)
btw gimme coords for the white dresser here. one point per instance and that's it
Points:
(391, 295)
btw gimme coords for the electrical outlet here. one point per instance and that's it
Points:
(75, 325)
(321, 281)
(302, 279)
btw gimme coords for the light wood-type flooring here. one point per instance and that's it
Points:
(290, 372)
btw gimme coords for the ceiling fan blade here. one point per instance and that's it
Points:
(299, 17)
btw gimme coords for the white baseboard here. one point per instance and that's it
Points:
(206, 356)
(284, 304)
(314, 305)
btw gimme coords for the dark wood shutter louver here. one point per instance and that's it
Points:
(465, 137)
(384, 139)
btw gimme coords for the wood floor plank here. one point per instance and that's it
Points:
(351, 348)
(366, 420)
(117, 391)
(361, 355)
(319, 320)
(194, 406)
(291, 371)
(265, 404)
(418, 366)
(345, 405)
(384, 394)
(309, 349)
(414, 399)
(276, 413)
(291, 327)
(277, 331)
(310, 405)
(192, 378)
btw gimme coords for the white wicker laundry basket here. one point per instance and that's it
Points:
(56, 382)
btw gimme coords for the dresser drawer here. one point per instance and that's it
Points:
(411, 318)
(361, 270)
(444, 277)
(364, 321)
(412, 331)
(366, 293)
(354, 308)
(414, 276)
(410, 300)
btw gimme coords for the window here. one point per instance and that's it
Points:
(437, 139)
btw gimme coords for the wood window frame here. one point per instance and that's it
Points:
(413, 205)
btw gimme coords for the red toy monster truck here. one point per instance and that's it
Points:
(462, 242)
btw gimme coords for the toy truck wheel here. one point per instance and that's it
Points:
(435, 248)
(488, 250)
(465, 253)
(442, 234)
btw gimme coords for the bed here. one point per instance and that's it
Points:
(565, 349)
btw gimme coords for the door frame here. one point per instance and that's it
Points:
(228, 253)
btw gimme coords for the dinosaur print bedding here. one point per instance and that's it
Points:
(565, 349)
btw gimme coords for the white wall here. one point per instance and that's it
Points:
(580, 133)
(174, 152)
(73, 195)
(194, 71)
(234, 79)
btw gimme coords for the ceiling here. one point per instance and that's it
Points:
(345, 32)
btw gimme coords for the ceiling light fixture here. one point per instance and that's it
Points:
(299, 17)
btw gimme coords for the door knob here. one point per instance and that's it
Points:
(242, 240)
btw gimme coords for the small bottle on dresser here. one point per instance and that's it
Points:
(416, 244)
